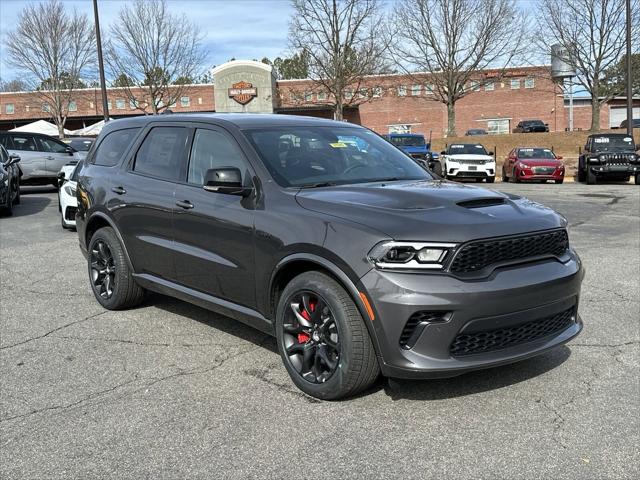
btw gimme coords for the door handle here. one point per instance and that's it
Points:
(186, 204)
(50, 158)
(118, 190)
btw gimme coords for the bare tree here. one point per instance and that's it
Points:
(54, 49)
(454, 41)
(342, 44)
(153, 48)
(592, 33)
(15, 85)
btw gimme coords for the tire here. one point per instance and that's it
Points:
(637, 179)
(16, 201)
(124, 291)
(591, 177)
(504, 176)
(491, 179)
(7, 210)
(59, 204)
(479, 180)
(355, 364)
(582, 175)
(558, 182)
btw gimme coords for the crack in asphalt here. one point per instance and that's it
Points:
(90, 317)
(142, 344)
(606, 345)
(261, 374)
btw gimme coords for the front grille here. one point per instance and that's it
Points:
(416, 323)
(617, 158)
(471, 162)
(70, 214)
(463, 173)
(544, 170)
(491, 340)
(478, 255)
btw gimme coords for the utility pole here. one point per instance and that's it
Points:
(103, 86)
(629, 79)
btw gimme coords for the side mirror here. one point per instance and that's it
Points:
(443, 152)
(491, 153)
(225, 180)
(70, 150)
(558, 157)
(61, 178)
(13, 159)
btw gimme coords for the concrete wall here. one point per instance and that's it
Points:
(258, 74)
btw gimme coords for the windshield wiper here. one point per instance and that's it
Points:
(318, 185)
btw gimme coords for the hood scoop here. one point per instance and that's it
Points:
(481, 202)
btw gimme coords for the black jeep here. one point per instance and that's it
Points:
(609, 156)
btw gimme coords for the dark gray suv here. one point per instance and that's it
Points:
(326, 236)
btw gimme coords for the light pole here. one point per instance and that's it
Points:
(629, 86)
(103, 86)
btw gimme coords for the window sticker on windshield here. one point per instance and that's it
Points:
(627, 139)
(601, 140)
(338, 145)
(526, 149)
(457, 146)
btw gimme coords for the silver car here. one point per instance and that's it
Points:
(42, 156)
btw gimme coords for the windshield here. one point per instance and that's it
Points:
(81, 144)
(407, 141)
(536, 153)
(532, 122)
(466, 149)
(601, 144)
(318, 156)
(76, 172)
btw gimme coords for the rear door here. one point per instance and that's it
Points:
(55, 154)
(214, 231)
(32, 161)
(143, 198)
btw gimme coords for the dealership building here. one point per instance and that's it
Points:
(497, 101)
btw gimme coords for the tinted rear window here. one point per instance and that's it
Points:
(113, 146)
(162, 154)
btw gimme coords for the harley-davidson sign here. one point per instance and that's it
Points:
(243, 92)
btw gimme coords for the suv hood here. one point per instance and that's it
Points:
(414, 148)
(461, 157)
(431, 210)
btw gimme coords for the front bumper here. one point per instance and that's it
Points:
(510, 297)
(617, 169)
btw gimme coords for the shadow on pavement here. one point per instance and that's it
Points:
(32, 201)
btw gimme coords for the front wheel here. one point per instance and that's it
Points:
(491, 179)
(591, 177)
(504, 176)
(109, 273)
(7, 209)
(322, 338)
(637, 178)
(558, 182)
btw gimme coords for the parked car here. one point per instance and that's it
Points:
(530, 126)
(415, 145)
(468, 160)
(67, 202)
(609, 156)
(475, 131)
(636, 123)
(41, 156)
(532, 163)
(80, 144)
(9, 182)
(357, 261)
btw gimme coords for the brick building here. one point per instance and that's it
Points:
(385, 103)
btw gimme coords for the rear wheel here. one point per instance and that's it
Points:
(109, 273)
(322, 338)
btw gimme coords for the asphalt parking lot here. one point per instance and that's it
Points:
(169, 390)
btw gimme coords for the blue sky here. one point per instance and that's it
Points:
(244, 29)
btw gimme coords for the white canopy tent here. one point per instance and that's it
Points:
(90, 131)
(40, 126)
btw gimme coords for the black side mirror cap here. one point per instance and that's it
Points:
(491, 153)
(225, 180)
(443, 152)
(70, 150)
(13, 159)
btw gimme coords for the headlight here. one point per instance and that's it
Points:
(410, 255)
(524, 165)
(71, 191)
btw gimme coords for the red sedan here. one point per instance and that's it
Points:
(532, 163)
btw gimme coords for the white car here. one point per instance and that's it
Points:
(67, 201)
(468, 160)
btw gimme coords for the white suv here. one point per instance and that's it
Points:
(468, 160)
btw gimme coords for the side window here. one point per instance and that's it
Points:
(212, 149)
(113, 146)
(162, 153)
(3, 155)
(5, 141)
(51, 146)
(25, 143)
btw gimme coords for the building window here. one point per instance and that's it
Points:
(73, 106)
(416, 90)
(172, 105)
(109, 104)
(498, 126)
(348, 94)
(308, 96)
(475, 85)
(185, 102)
(377, 92)
(26, 107)
(489, 87)
(132, 104)
(402, 91)
(322, 96)
(515, 84)
(529, 82)
(119, 104)
(401, 128)
(46, 108)
(429, 88)
(90, 104)
(9, 108)
(199, 100)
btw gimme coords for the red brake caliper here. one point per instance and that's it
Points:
(304, 337)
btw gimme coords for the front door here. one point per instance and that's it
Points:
(214, 231)
(56, 154)
(32, 161)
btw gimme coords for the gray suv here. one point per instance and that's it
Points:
(326, 236)
(41, 156)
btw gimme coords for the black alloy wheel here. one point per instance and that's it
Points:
(311, 337)
(103, 269)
